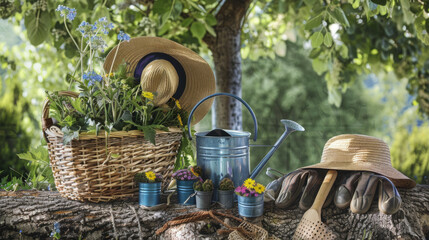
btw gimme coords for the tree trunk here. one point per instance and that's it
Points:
(225, 48)
(35, 212)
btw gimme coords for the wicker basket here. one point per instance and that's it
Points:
(86, 170)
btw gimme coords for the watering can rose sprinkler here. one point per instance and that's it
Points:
(225, 153)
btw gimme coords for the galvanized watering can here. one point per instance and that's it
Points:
(227, 154)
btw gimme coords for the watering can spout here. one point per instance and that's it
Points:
(290, 126)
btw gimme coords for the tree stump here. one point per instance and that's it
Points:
(32, 214)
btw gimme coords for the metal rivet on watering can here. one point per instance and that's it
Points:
(228, 156)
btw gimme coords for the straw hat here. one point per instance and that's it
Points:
(361, 153)
(169, 69)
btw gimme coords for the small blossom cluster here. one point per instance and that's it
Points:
(70, 13)
(250, 189)
(186, 175)
(56, 232)
(123, 36)
(88, 30)
(92, 77)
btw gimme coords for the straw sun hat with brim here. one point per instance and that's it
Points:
(168, 69)
(361, 153)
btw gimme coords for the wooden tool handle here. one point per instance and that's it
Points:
(329, 180)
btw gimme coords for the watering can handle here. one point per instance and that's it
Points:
(255, 136)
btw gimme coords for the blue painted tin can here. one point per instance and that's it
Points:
(251, 206)
(149, 194)
(184, 189)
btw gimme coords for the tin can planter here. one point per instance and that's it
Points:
(204, 199)
(184, 190)
(251, 206)
(149, 194)
(226, 198)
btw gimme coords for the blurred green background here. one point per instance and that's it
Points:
(281, 86)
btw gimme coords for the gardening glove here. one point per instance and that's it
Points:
(357, 190)
(303, 184)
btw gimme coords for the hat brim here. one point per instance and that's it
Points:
(200, 80)
(397, 178)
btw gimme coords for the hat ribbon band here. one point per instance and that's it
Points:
(144, 61)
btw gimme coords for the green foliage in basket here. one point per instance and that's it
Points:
(206, 186)
(107, 101)
(226, 184)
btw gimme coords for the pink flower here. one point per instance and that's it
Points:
(247, 194)
(182, 178)
(256, 195)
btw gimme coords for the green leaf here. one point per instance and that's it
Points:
(380, 2)
(314, 22)
(211, 20)
(162, 6)
(210, 30)
(315, 52)
(69, 135)
(415, 7)
(339, 15)
(328, 39)
(187, 22)
(77, 104)
(37, 24)
(177, 9)
(127, 117)
(149, 134)
(319, 66)
(198, 30)
(316, 39)
(334, 97)
(280, 48)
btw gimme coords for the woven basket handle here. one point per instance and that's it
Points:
(46, 120)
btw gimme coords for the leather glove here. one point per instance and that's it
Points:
(354, 189)
(357, 190)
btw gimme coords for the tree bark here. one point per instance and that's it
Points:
(35, 212)
(225, 48)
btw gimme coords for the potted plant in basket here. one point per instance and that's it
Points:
(113, 119)
(185, 179)
(204, 193)
(250, 198)
(226, 193)
(149, 188)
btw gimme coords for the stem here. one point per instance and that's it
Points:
(81, 60)
(65, 24)
(114, 58)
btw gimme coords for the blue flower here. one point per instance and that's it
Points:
(71, 12)
(57, 227)
(93, 77)
(103, 19)
(20, 231)
(123, 36)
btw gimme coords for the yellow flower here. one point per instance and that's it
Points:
(259, 188)
(111, 75)
(180, 120)
(249, 183)
(178, 104)
(148, 95)
(150, 176)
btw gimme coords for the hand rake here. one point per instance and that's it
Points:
(311, 225)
